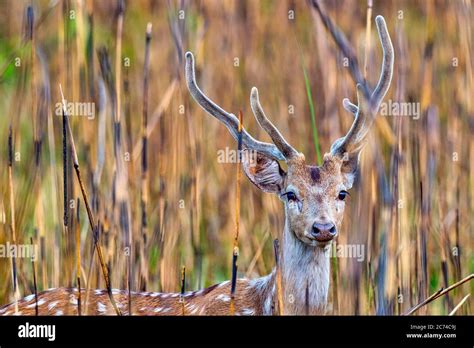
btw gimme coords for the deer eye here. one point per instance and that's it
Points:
(291, 196)
(342, 195)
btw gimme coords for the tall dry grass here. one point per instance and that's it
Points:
(411, 207)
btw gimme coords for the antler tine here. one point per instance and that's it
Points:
(346, 103)
(387, 63)
(288, 151)
(352, 141)
(229, 120)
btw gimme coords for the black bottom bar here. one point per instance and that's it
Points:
(311, 331)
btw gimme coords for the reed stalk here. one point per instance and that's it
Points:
(16, 291)
(183, 290)
(235, 249)
(144, 157)
(78, 256)
(35, 286)
(278, 279)
(90, 216)
(439, 293)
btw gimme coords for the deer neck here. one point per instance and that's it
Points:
(305, 276)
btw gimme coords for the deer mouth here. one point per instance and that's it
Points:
(324, 238)
(318, 241)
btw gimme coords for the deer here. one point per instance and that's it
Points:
(313, 198)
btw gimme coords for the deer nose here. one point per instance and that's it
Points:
(323, 232)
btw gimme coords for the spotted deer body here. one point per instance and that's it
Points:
(251, 297)
(314, 201)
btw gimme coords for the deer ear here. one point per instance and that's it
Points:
(349, 168)
(263, 171)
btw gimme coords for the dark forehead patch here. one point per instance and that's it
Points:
(315, 174)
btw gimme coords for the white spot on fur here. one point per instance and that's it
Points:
(191, 306)
(199, 293)
(166, 310)
(59, 313)
(33, 305)
(53, 304)
(73, 300)
(116, 292)
(158, 309)
(101, 307)
(248, 311)
(154, 294)
(3, 310)
(223, 297)
(29, 298)
(98, 292)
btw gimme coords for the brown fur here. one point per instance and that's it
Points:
(215, 300)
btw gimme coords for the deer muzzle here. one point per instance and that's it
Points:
(323, 232)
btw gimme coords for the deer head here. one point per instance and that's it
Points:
(314, 196)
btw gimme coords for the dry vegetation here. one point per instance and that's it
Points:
(412, 207)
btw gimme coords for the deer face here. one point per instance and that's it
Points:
(314, 196)
(314, 199)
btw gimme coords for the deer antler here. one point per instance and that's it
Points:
(368, 102)
(387, 63)
(278, 139)
(277, 152)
